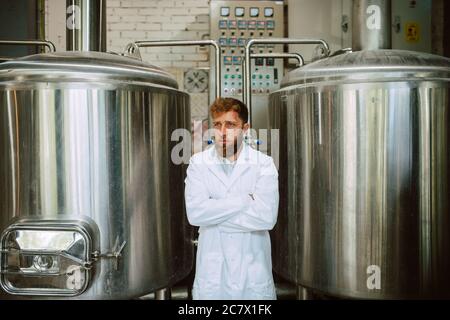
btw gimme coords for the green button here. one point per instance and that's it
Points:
(233, 76)
(239, 76)
(268, 84)
(254, 76)
(226, 83)
(226, 76)
(240, 84)
(260, 76)
(268, 76)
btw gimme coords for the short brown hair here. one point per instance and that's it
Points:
(221, 105)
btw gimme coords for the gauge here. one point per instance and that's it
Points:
(254, 12)
(196, 80)
(268, 12)
(225, 11)
(239, 12)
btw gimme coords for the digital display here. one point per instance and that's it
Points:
(254, 12)
(227, 60)
(268, 12)
(242, 42)
(223, 24)
(232, 42)
(239, 12)
(232, 24)
(225, 11)
(237, 60)
(242, 24)
(223, 42)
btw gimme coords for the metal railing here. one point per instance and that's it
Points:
(247, 69)
(276, 55)
(45, 43)
(132, 49)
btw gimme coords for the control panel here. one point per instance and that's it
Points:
(233, 23)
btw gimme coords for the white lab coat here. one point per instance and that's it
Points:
(234, 252)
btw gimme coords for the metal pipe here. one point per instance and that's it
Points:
(176, 293)
(250, 43)
(163, 294)
(133, 50)
(44, 43)
(284, 290)
(371, 24)
(279, 55)
(341, 51)
(40, 21)
(86, 25)
(304, 293)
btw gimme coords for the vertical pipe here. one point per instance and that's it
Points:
(163, 294)
(371, 25)
(304, 293)
(86, 25)
(40, 22)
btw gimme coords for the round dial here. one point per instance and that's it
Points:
(196, 80)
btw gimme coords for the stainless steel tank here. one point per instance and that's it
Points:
(91, 205)
(364, 175)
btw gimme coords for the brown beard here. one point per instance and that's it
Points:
(229, 151)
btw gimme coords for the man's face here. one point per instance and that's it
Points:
(229, 131)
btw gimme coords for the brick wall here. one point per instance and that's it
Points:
(130, 20)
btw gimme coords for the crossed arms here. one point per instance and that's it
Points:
(234, 213)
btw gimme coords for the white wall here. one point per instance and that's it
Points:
(130, 20)
(55, 21)
(318, 19)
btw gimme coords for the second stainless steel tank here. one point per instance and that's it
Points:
(91, 205)
(364, 175)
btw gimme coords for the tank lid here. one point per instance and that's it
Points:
(89, 66)
(360, 64)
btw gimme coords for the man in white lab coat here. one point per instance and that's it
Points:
(232, 195)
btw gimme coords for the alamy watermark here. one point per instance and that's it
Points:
(188, 143)
(73, 21)
(374, 278)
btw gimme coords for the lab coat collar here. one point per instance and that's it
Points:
(247, 156)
